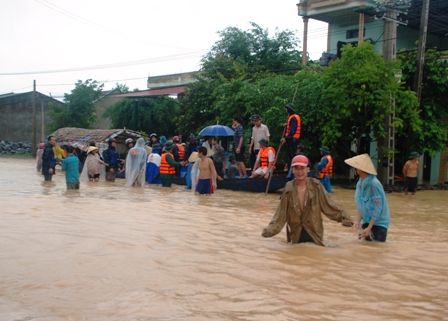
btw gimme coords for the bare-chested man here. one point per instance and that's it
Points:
(410, 171)
(207, 174)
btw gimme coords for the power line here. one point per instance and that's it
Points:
(95, 25)
(114, 65)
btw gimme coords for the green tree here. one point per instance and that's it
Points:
(432, 136)
(122, 87)
(153, 114)
(79, 110)
(358, 90)
(231, 71)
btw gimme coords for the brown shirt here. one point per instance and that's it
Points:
(317, 200)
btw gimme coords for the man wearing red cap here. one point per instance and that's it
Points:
(303, 199)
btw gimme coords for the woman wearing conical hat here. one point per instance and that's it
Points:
(373, 211)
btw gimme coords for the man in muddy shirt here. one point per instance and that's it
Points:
(303, 200)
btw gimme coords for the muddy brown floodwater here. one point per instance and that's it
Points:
(110, 252)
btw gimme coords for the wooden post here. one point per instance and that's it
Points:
(43, 119)
(305, 41)
(361, 28)
(33, 147)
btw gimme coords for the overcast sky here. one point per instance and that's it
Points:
(62, 41)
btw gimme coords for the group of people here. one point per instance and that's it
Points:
(305, 198)
(302, 201)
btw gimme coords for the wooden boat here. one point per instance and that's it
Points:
(258, 185)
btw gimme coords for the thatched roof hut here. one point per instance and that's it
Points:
(81, 137)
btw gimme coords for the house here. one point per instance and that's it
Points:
(81, 137)
(107, 99)
(346, 18)
(391, 26)
(17, 120)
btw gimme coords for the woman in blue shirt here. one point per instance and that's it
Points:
(370, 200)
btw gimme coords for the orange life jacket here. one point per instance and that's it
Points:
(288, 128)
(264, 157)
(181, 152)
(165, 167)
(327, 170)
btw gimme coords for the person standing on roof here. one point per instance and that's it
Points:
(292, 133)
(110, 156)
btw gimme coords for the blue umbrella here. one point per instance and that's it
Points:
(216, 130)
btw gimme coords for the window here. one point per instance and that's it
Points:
(354, 33)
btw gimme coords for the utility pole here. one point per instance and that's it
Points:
(361, 28)
(135, 114)
(421, 49)
(33, 145)
(42, 119)
(389, 11)
(305, 41)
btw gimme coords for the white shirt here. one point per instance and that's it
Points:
(259, 133)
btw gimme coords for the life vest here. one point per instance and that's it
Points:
(264, 157)
(165, 167)
(327, 170)
(288, 128)
(181, 151)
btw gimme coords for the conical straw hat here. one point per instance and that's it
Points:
(91, 148)
(193, 157)
(210, 152)
(362, 162)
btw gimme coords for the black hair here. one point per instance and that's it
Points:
(238, 119)
(301, 147)
(69, 149)
(202, 150)
(215, 138)
(92, 144)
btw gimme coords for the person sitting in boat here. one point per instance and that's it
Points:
(266, 157)
(233, 167)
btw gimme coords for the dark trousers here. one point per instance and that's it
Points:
(253, 157)
(291, 150)
(219, 167)
(410, 184)
(305, 237)
(378, 233)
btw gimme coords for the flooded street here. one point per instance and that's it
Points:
(110, 252)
